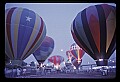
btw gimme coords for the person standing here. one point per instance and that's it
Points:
(24, 72)
(18, 72)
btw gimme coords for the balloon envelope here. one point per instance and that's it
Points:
(56, 60)
(24, 32)
(93, 29)
(45, 49)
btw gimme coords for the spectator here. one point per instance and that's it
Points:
(24, 72)
(18, 72)
(37, 71)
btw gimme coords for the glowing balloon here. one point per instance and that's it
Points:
(24, 32)
(56, 60)
(93, 29)
(45, 49)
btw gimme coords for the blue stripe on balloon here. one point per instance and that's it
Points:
(76, 54)
(25, 40)
(27, 29)
(23, 20)
(21, 31)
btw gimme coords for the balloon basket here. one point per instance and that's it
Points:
(103, 62)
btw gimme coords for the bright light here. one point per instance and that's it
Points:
(28, 65)
(100, 59)
(98, 67)
(113, 61)
(105, 67)
(88, 62)
(79, 61)
(74, 67)
(10, 61)
(61, 50)
(64, 63)
(57, 66)
(41, 65)
(114, 66)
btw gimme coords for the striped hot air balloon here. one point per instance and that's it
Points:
(77, 52)
(93, 29)
(45, 49)
(24, 32)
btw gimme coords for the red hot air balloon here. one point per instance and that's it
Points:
(93, 29)
(77, 52)
(56, 60)
(24, 32)
(45, 49)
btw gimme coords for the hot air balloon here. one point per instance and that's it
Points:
(93, 29)
(77, 52)
(45, 49)
(56, 60)
(24, 32)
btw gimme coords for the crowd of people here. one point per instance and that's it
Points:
(27, 71)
